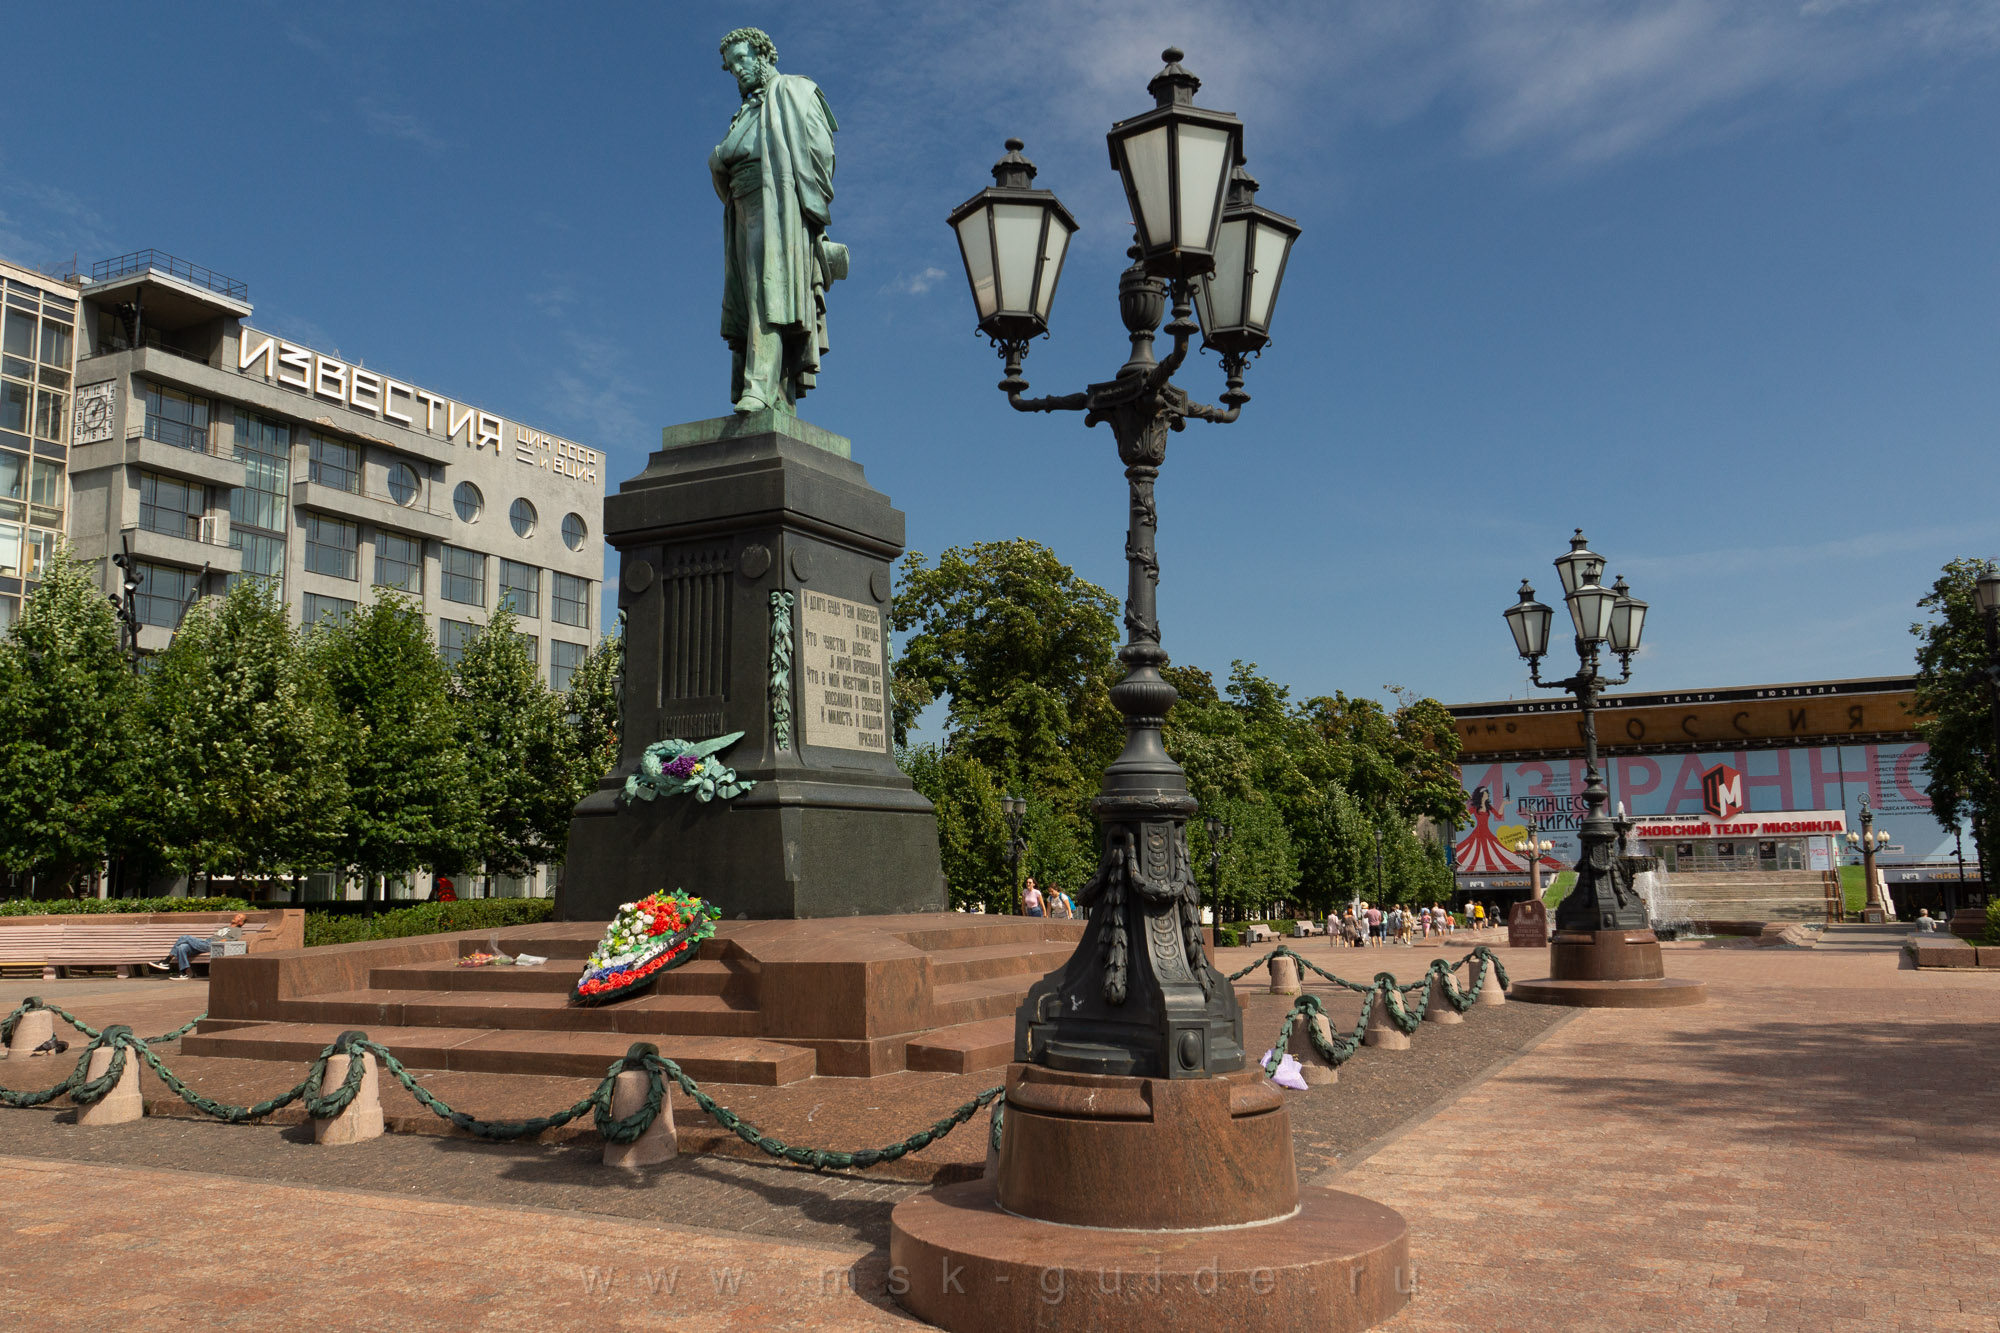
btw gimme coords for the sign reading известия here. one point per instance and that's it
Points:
(840, 674)
(292, 366)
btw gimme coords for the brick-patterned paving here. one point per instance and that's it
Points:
(1815, 1148)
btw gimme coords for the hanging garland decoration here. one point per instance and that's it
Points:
(654, 935)
(671, 768)
(781, 669)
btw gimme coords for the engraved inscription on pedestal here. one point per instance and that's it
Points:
(841, 689)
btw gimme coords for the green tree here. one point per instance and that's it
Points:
(69, 731)
(522, 762)
(593, 711)
(1954, 703)
(972, 832)
(243, 744)
(410, 794)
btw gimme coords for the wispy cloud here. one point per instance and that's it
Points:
(397, 125)
(45, 226)
(1834, 554)
(915, 284)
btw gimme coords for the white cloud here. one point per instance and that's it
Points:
(916, 284)
(397, 125)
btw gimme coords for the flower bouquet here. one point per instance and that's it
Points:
(671, 768)
(654, 935)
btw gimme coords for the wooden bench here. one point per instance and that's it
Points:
(1258, 934)
(1305, 929)
(124, 945)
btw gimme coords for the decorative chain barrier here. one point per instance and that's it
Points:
(644, 1057)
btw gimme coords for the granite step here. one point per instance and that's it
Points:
(1031, 959)
(700, 977)
(977, 1001)
(483, 1051)
(704, 1015)
(964, 1049)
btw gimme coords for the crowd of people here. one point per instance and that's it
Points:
(1372, 924)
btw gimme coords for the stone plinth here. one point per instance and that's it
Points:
(726, 514)
(124, 1102)
(362, 1119)
(1143, 1203)
(30, 1030)
(1086, 1150)
(659, 1142)
(1609, 969)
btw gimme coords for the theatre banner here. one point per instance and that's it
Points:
(1816, 785)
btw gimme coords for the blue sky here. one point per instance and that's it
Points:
(1718, 281)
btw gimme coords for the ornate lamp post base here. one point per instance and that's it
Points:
(1232, 1241)
(1608, 969)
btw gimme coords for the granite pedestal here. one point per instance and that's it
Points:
(1146, 1203)
(1608, 969)
(754, 577)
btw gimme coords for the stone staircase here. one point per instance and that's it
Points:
(1752, 895)
(765, 1002)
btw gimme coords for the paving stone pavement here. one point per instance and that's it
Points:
(1813, 1149)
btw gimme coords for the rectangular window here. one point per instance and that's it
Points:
(10, 549)
(331, 546)
(453, 635)
(462, 576)
(266, 450)
(41, 548)
(533, 646)
(55, 344)
(263, 559)
(51, 414)
(521, 588)
(176, 418)
(20, 336)
(570, 600)
(13, 477)
(564, 659)
(320, 610)
(10, 611)
(14, 406)
(399, 562)
(335, 464)
(163, 591)
(48, 486)
(171, 507)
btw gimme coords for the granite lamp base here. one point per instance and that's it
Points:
(1146, 1203)
(1608, 969)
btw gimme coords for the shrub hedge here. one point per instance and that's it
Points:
(426, 919)
(67, 906)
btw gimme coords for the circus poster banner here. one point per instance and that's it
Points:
(1504, 800)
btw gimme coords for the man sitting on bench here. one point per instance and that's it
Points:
(187, 946)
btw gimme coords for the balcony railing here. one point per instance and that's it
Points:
(159, 261)
(207, 530)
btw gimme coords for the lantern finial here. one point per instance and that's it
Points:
(1175, 85)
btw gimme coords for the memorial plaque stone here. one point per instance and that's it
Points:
(840, 674)
(1527, 925)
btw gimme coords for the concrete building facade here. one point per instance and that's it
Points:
(216, 450)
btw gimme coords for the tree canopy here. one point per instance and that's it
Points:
(1954, 702)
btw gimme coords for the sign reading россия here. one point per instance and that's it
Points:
(292, 366)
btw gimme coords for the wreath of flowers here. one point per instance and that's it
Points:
(676, 767)
(648, 937)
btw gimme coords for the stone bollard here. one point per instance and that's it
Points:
(30, 1030)
(659, 1142)
(1382, 1031)
(1284, 976)
(992, 1171)
(363, 1117)
(1314, 1066)
(1438, 1009)
(1490, 993)
(123, 1103)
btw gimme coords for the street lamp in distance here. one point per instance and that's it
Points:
(1867, 842)
(1014, 809)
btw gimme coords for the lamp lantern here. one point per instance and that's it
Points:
(1590, 610)
(1988, 589)
(1628, 619)
(1236, 299)
(1579, 565)
(1529, 620)
(1175, 161)
(1012, 238)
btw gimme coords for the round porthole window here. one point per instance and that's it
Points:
(402, 483)
(522, 515)
(574, 531)
(468, 502)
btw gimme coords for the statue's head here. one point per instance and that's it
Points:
(750, 56)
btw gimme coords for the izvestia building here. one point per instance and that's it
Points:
(216, 449)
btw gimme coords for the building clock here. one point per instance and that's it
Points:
(95, 404)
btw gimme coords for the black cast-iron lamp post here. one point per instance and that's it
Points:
(1604, 618)
(1869, 841)
(1139, 997)
(1014, 809)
